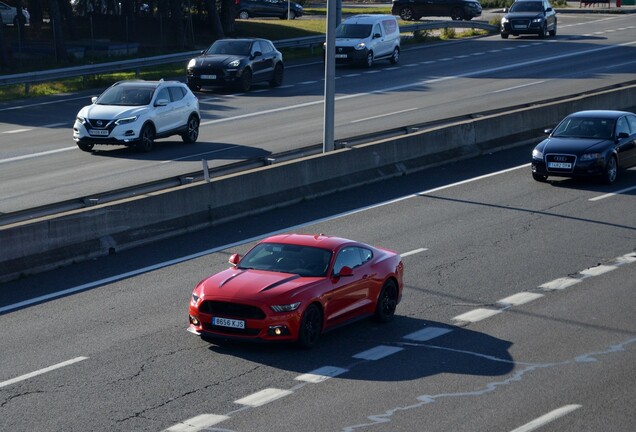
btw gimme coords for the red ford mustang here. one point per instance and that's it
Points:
(294, 287)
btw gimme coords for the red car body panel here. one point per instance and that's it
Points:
(246, 295)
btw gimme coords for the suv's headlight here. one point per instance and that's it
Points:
(81, 119)
(192, 63)
(537, 20)
(123, 121)
(234, 64)
(286, 307)
(504, 20)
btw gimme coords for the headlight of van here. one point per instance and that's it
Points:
(361, 46)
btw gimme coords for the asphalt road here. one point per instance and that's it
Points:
(431, 82)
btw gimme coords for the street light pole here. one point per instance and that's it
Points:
(330, 78)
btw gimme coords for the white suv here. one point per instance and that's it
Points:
(136, 112)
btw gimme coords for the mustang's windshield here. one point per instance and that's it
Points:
(585, 127)
(276, 257)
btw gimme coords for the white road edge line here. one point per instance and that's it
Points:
(609, 195)
(42, 371)
(547, 418)
(413, 252)
(519, 86)
(30, 156)
(383, 115)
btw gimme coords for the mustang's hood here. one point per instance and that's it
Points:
(251, 284)
(108, 112)
(572, 145)
(216, 60)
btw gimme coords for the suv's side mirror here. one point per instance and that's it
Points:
(622, 135)
(257, 54)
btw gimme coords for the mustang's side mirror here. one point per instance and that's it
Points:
(234, 259)
(344, 272)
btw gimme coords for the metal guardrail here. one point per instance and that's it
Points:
(139, 63)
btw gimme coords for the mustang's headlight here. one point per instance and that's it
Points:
(537, 154)
(126, 120)
(286, 307)
(590, 156)
(234, 64)
(192, 63)
(361, 46)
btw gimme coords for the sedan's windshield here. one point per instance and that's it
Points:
(230, 47)
(585, 127)
(302, 260)
(526, 6)
(126, 96)
(355, 31)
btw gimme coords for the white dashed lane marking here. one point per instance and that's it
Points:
(427, 334)
(321, 374)
(377, 353)
(197, 423)
(41, 371)
(263, 397)
(477, 315)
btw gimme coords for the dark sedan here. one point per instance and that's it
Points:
(238, 63)
(535, 17)
(587, 144)
(268, 8)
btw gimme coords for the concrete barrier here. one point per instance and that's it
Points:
(48, 242)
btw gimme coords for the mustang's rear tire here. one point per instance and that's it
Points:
(310, 327)
(387, 302)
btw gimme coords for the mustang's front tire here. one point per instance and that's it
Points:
(310, 327)
(387, 302)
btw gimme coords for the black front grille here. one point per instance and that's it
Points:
(233, 310)
(520, 23)
(344, 50)
(100, 124)
(554, 162)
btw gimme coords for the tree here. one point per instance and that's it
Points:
(56, 27)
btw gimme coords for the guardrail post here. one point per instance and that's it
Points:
(206, 170)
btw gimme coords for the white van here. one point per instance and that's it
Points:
(362, 39)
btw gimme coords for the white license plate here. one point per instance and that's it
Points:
(225, 322)
(98, 132)
(208, 77)
(561, 165)
(341, 56)
(520, 27)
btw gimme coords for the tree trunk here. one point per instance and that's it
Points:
(58, 33)
(214, 20)
(228, 16)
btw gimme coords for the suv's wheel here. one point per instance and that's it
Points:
(544, 31)
(86, 147)
(245, 82)
(192, 132)
(553, 32)
(457, 14)
(395, 57)
(407, 14)
(244, 14)
(146, 138)
(368, 62)
(504, 35)
(277, 78)
(194, 87)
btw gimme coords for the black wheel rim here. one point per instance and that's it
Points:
(388, 300)
(311, 326)
(193, 129)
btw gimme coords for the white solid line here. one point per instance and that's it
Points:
(377, 353)
(477, 315)
(42, 371)
(559, 284)
(197, 423)
(626, 259)
(14, 131)
(263, 397)
(427, 334)
(609, 195)
(598, 270)
(413, 252)
(321, 374)
(384, 115)
(52, 125)
(519, 299)
(30, 156)
(547, 418)
(519, 86)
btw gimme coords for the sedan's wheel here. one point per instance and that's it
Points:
(86, 147)
(611, 171)
(395, 57)
(245, 82)
(387, 302)
(192, 132)
(310, 327)
(369, 60)
(553, 32)
(407, 14)
(244, 15)
(146, 138)
(457, 14)
(544, 31)
(291, 16)
(504, 35)
(277, 79)
(539, 177)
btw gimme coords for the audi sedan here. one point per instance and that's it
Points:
(535, 17)
(135, 112)
(294, 287)
(238, 63)
(587, 144)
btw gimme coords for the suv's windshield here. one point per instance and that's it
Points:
(302, 260)
(126, 95)
(354, 31)
(527, 6)
(230, 47)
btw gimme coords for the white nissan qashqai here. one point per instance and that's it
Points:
(135, 112)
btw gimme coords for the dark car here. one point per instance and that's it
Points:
(413, 10)
(587, 144)
(535, 17)
(238, 63)
(268, 8)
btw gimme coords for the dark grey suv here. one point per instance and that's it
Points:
(267, 8)
(413, 10)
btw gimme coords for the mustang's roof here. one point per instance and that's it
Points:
(317, 240)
